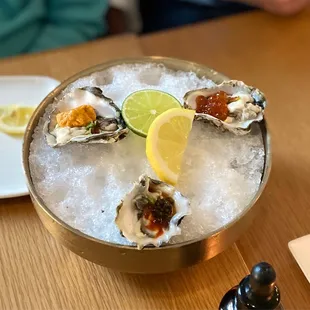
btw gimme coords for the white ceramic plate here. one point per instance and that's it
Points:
(300, 249)
(23, 90)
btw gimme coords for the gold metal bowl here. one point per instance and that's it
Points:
(126, 258)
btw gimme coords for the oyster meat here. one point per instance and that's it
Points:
(85, 115)
(231, 105)
(151, 212)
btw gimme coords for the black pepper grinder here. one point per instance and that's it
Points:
(256, 291)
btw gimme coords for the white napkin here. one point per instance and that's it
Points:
(300, 249)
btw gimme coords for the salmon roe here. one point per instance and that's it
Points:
(214, 105)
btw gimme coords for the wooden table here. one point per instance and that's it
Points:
(272, 53)
(36, 273)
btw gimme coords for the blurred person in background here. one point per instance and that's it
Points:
(124, 16)
(163, 14)
(36, 25)
(279, 7)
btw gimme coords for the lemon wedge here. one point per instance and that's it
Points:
(14, 118)
(141, 108)
(166, 142)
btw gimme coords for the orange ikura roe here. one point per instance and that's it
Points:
(214, 105)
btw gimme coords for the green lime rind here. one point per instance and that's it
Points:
(138, 131)
(134, 130)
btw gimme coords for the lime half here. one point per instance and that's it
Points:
(142, 107)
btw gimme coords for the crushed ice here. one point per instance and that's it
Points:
(83, 184)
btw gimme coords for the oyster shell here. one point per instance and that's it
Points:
(246, 105)
(151, 213)
(108, 126)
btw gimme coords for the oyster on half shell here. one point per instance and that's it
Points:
(245, 105)
(85, 115)
(151, 212)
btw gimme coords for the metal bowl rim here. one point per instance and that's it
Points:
(100, 67)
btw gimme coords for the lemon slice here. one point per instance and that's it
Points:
(142, 107)
(167, 141)
(14, 118)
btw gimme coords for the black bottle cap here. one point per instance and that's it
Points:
(256, 291)
(262, 279)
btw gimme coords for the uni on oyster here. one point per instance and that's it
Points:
(231, 105)
(151, 212)
(85, 115)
